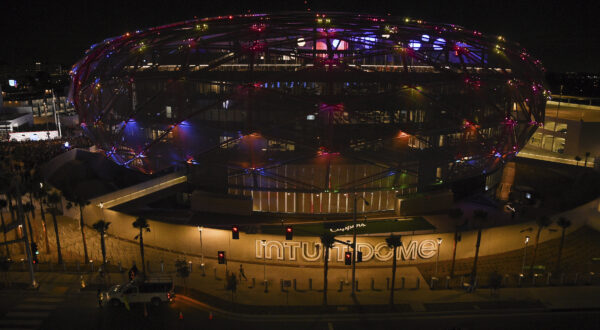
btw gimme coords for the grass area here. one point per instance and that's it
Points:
(363, 227)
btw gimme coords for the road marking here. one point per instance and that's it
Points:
(21, 322)
(33, 306)
(27, 314)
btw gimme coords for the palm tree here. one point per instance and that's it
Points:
(541, 222)
(53, 200)
(327, 241)
(480, 216)
(101, 227)
(563, 223)
(455, 214)
(81, 203)
(141, 224)
(393, 243)
(3, 205)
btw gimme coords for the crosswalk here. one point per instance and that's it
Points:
(30, 312)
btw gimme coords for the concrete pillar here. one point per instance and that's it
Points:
(507, 181)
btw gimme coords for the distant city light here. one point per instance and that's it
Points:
(310, 117)
(425, 38)
(414, 44)
(439, 44)
(12, 83)
(301, 42)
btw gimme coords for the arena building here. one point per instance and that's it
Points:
(295, 113)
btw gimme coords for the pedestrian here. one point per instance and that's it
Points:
(242, 273)
(99, 298)
(133, 272)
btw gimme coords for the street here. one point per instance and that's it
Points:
(64, 307)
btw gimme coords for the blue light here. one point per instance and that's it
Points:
(425, 38)
(414, 44)
(439, 44)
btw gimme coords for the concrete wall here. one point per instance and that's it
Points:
(182, 239)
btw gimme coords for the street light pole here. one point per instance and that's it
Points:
(354, 243)
(264, 244)
(354, 247)
(437, 259)
(201, 251)
(524, 254)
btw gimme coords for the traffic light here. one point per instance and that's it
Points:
(235, 232)
(358, 256)
(34, 252)
(221, 257)
(348, 258)
(289, 233)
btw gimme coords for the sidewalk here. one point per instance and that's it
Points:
(254, 301)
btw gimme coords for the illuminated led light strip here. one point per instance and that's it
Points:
(142, 192)
(558, 159)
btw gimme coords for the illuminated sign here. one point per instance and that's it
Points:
(313, 251)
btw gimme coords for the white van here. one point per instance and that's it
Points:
(154, 291)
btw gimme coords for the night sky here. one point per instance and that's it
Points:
(564, 35)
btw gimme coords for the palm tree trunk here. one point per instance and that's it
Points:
(537, 241)
(81, 226)
(325, 269)
(30, 229)
(474, 271)
(454, 252)
(10, 207)
(393, 278)
(4, 231)
(103, 247)
(44, 227)
(58, 251)
(560, 248)
(142, 250)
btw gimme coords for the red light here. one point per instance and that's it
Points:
(220, 254)
(235, 229)
(289, 229)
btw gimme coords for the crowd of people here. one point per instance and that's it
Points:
(29, 155)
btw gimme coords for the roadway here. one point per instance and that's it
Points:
(79, 310)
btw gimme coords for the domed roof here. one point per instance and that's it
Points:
(252, 92)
